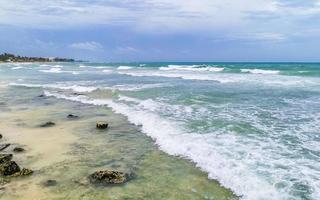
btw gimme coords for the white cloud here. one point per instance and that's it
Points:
(278, 17)
(90, 46)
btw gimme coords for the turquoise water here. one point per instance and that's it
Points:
(254, 127)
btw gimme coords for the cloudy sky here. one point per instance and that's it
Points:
(163, 30)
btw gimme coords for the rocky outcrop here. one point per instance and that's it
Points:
(9, 168)
(102, 125)
(47, 124)
(5, 158)
(23, 172)
(107, 177)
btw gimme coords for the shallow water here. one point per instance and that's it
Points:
(248, 125)
(71, 150)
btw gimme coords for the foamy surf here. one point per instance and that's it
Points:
(18, 67)
(124, 67)
(51, 70)
(260, 71)
(75, 88)
(233, 78)
(246, 130)
(196, 68)
(192, 146)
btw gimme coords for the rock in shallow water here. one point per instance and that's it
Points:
(107, 177)
(102, 125)
(3, 146)
(47, 124)
(71, 116)
(49, 183)
(9, 168)
(18, 149)
(5, 158)
(23, 172)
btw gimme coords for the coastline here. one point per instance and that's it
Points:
(72, 149)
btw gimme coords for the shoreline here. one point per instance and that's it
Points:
(123, 140)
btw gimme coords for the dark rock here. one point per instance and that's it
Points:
(3, 146)
(107, 177)
(77, 93)
(18, 149)
(5, 158)
(9, 168)
(23, 172)
(102, 125)
(47, 124)
(41, 95)
(0, 136)
(49, 183)
(71, 116)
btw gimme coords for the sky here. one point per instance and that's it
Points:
(163, 30)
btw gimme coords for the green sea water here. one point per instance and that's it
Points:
(246, 125)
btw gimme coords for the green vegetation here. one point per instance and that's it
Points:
(6, 57)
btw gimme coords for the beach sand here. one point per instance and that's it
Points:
(72, 149)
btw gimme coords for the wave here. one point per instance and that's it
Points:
(230, 173)
(107, 71)
(45, 65)
(19, 67)
(57, 70)
(259, 71)
(137, 87)
(103, 67)
(75, 88)
(231, 78)
(52, 70)
(124, 67)
(81, 88)
(191, 68)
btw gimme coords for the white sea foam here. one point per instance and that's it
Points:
(137, 87)
(57, 70)
(195, 68)
(274, 80)
(19, 67)
(52, 70)
(108, 71)
(124, 67)
(260, 71)
(75, 88)
(103, 67)
(207, 154)
(57, 66)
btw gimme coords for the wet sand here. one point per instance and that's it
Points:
(72, 149)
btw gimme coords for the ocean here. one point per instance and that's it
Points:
(253, 127)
